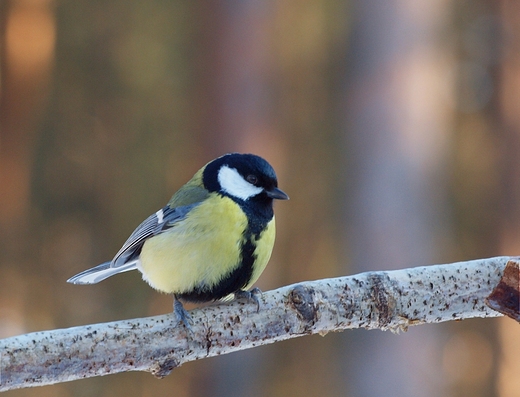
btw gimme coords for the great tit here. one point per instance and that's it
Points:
(212, 240)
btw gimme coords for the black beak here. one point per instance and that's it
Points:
(277, 194)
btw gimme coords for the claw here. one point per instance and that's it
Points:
(250, 296)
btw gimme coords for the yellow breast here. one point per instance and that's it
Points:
(201, 249)
(263, 251)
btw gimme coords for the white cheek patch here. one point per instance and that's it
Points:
(235, 185)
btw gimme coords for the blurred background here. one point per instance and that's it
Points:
(393, 125)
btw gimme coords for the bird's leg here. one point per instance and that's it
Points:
(250, 296)
(181, 313)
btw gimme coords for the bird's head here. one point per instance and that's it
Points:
(243, 177)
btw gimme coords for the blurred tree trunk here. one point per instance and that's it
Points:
(231, 61)
(396, 127)
(27, 50)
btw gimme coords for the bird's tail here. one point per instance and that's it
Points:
(101, 272)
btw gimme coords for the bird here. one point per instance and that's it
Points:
(211, 241)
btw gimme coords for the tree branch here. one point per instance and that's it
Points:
(392, 300)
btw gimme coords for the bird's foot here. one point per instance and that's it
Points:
(181, 314)
(251, 296)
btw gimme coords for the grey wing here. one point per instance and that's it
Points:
(151, 226)
(127, 257)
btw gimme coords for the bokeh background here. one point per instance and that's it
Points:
(394, 125)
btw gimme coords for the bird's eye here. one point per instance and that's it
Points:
(252, 179)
